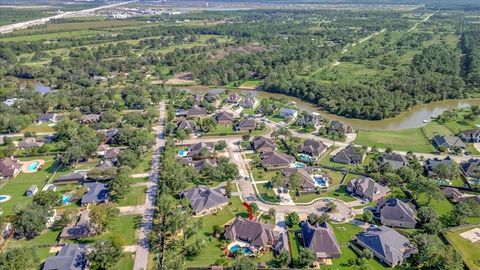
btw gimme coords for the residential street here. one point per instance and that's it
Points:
(142, 250)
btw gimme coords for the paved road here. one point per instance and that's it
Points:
(141, 255)
(22, 25)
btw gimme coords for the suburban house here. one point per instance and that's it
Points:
(224, 118)
(287, 112)
(309, 119)
(396, 213)
(197, 98)
(233, 98)
(340, 127)
(312, 148)
(248, 102)
(470, 168)
(9, 167)
(254, 233)
(110, 135)
(70, 257)
(49, 118)
(367, 188)
(71, 178)
(196, 111)
(96, 193)
(30, 142)
(11, 101)
(452, 194)
(386, 244)
(102, 149)
(263, 145)
(432, 163)
(90, 118)
(81, 229)
(395, 160)
(197, 151)
(204, 200)
(202, 163)
(211, 97)
(471, 135)
(112, 154)
(276, 160)
(32, 190)
(246, 125)
(186, 125)
(306, 179)
(448, 142)
(320, 239)
(349, 155)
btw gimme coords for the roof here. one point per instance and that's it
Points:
(320, 239)
(312, 147)
(396, 160)
(70, 257)
(367, 187)
(431, 163)
(30, 143)
(196, 111)
(200, 164)
(350, 154)
(196, 149)
(81, 229)
(90, 117)
(112, 153)
(186, 124)
(97, 192)
(340, 127)
(448, 141)
(397, 210)
(261, 142)
(308, 119)
(248, 102)
(247, 123)
(74, 176)
(387, 242)
(253, 232)
(8, 166)
(470, 168)
(470, 133)
(276, 158)
(307, 181)
(202, 197)
(46, 117)
(287, 112)
(224, 116)
(233, 98)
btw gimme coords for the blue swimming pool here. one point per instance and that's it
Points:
(306, 158)
(299, 165)
(320, 180)
(182, 152)
(66, 199)
(4, 198)
(33, 166)
(244, 250)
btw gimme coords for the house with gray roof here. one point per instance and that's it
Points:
(276, 160)
(202, 163)
(73, 177)
(471, 135)
(186, 125)
(29, 143)
(233, 98)
(395, 160)
(340, 127)
(281, 243)
(386, 244)
(90, 118)
(306, 180)
(349, 155)
(248, 102)
(309, 119)
(367, 188)
(432, 163)
(246, 125)
(254, 233)
(49, 118)
(9, 167)
(452, 194)
(96, 193)
(312, 148)
(470, 169)
(112, 154)
(287, 112)
(70, 257)
(320, 239)
(196, 111)
(263, 145)
(448, 142)
(204, 200)
(197, 150)
(396, 213)
(81, 229)
(224, 118)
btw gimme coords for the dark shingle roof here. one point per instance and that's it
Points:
(97, 192)
(321, 239)
(312, 147)
(276, 158)
(397, 210)
(396, 160)
(74, 176)
(202, 197)
(448, 141)
(253, 232)
(70, 257)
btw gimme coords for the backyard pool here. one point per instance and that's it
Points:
(66, 199)
(245, 250)
(306, 158)
(182, 152)
(320, 180)
(33, 166)
(299, 165)
(4, 198)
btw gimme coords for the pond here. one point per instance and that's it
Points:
(38, 86)
(413, 118)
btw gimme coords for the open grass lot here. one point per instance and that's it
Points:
(50, 36)
(136, 196)
(13, 15)
(38, 128)
(213, 248)
(468, 249)
(126, 262)
(48, 237)
(442, 206)
(16, 187)
(262, 175)
(267, 193)
(126, 227)
(401, 140)
(275, 118)
(295, 243)
(145, 164)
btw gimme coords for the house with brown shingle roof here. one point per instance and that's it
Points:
(276, 160)
(306, 180)
(224, 118)
(9, 167)
(340, 127)
(90, 118)
(312, 148)
(204, 200)
(196, 111)
(195, 150)
(254, 233)
(246, 125)
(29, 143)
(186, 125)
(320, 239)
(396, 213)
(367, 188)
(471, 168)
(263, 145)
(233, 98)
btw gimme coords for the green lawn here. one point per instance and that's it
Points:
(468, 249)
(295, 243)
(47, 237)
(262, 175)
(125, 226)
(38, 128)
(16, 187)
(136, 196)
(145, 164)
(275, 118)
(401, 140)
(434, 128)
(267, 193)
(442, 206)
(126, 262)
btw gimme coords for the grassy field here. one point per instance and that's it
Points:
(401, 140)
(48, 237)
(51, 36)
(125, 226)
(38, 128)
(145, 164)
(136, 196)
(468, 249)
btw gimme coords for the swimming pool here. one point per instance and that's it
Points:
(244, 250)
(305, 157)
(66, 199)
(320, 180)
(4, 198)
(182, 152)
(33, 166)
(299, 165)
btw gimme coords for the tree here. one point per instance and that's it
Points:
(105, 253)
(306, 257)
(459, 213)
(228, 187)
(292, 219)
(278, 180)
(48, 198)
(66, 218)
(120, 184)
(367, 216)
(330, 206)
(72, 155)
(19, 258)
(433, 254)
(102, 215)
(128, 157)
(254, 207)
(244, 263)
(271, 213)
(294, 183)
(428, 220)
(30, 220)
(282, 259)
(222, 144)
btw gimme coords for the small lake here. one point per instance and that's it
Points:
(38, 86)
(412, 118)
